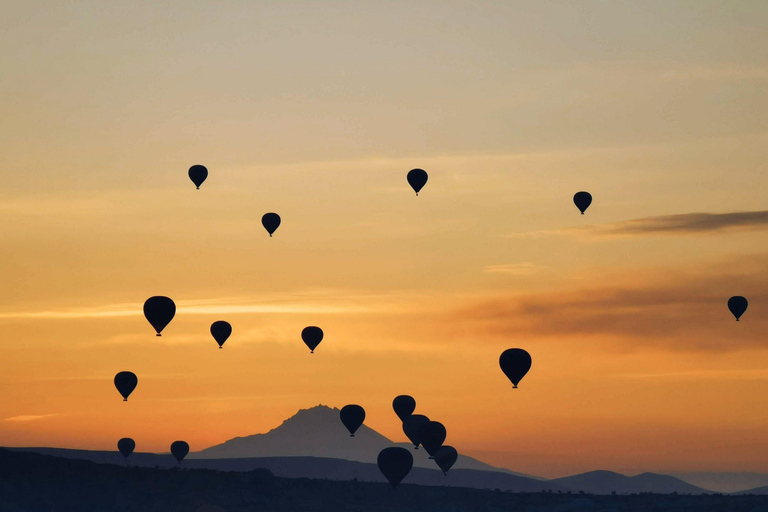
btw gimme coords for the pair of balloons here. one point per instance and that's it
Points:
(179, 449)
(420, 430)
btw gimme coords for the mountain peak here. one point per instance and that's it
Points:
(319, 416)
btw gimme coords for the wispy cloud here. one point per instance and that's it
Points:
(683, 224)
(515, 269)
(29, 417)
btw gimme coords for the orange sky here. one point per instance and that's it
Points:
(317, 113)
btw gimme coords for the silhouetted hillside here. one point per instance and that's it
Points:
(724, 481)
(31, 482)
(607, 482)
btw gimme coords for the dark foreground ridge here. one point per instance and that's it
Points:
(31, 482)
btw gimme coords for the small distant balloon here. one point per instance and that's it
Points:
(220, 331)
(312, 337)
(126, 446)
(198, 173)
(417, 178)
(404, 405)
(352, 416)
(412, 428)
(179, 449)
(394, 463)
(125, 382)
(737, 305)
(432, 436)
(446, 456)
(159, 311)
(582, 200)
(515, 363)
(270, 221)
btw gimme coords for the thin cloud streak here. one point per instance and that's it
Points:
(686, 223)
(515, 269)
(29, 417)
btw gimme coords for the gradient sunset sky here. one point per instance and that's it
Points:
(316, 111)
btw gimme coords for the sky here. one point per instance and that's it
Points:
(316, 111)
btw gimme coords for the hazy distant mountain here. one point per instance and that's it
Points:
(318, 432)
(756, 490)
(724, 482)
(607, 482)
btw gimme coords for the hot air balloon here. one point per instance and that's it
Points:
(352, 416)
(582, 200)
(159, 311)
(220, 331)
(312, 337)
(515, 363)
(394, 463)
(737, 305)
(125, 382)
(412, 428)
(179, 449)
(270, 221)
(417, 178)
(446, 456)
(198, 173)
(404, 406)
(126, 446)
(432, 436)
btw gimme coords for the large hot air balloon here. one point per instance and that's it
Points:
(412, 428)
(125, 382)
(179, 449)
(126, 446)
(515, 363)
(417, 178)
(198, 173)
(270, 221)
(220, 331)
(159, 311)
(394, 463)
(404, 406)
(446, 456)
(312, 337)
(352, 416)
(582, 200)
(432, 436)
(737, 305)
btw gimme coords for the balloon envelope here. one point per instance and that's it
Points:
(220, 331)
(352, 416)
(198, 173)
(312, 337)
(412, 428)
(417, 178)
(446, 456)
(432, 436)
(125, 382)
(270, 221)
(126, 446)
(515, 363)
(159, 311)
(737, 305)
(179, 449)
(394, 463)
(582, 200)
(404, 405)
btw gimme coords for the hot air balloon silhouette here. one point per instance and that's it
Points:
(737, 305)
(126, 446)
(582, 200)
(198, 173)
(417, 178)
(404, 406)
(179, 449)
(394, 463)
(159, 311)
(125, 382)
(412, 428)
(446, 456)
(515, 363)
(352, 416)
(432, 437)
(312, 337)
(220, 331)
(270, 221)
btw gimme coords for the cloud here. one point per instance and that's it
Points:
(515, 269)
(686, 223)
(29, 417)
